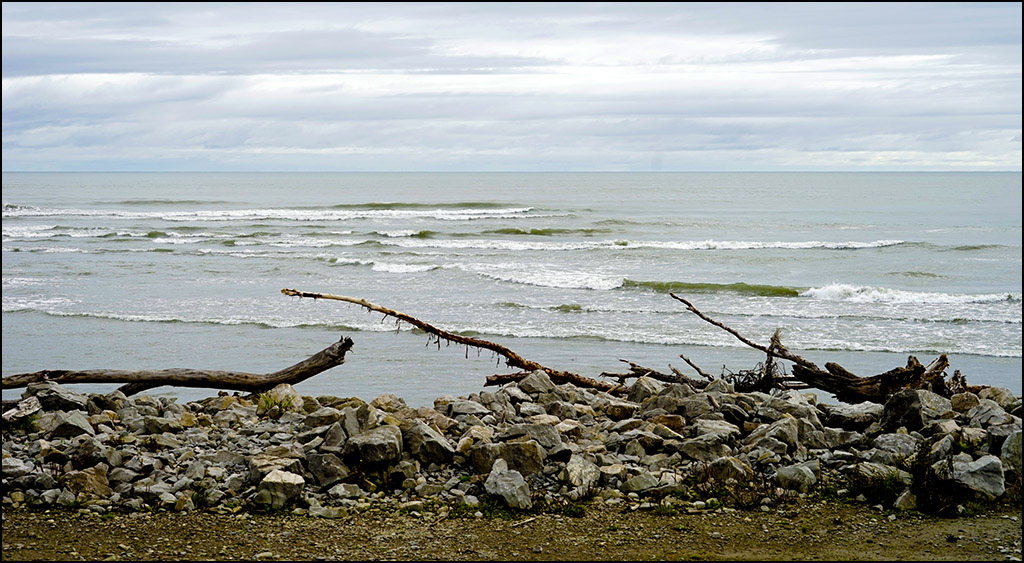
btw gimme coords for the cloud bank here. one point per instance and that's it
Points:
(396, 87)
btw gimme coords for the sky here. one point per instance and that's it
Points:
(511, 87)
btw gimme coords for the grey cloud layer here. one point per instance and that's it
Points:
(509, 86)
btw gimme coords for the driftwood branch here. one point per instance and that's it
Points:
(700, 372)
(511, 358)
(846, 386)
(140, 380)
(637, 371)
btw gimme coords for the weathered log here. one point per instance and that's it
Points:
(140, 380)
(511, 358)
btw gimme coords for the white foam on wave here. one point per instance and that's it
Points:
(514, 245)
(398, 268)
(51, 305)
(865, 294)
(275, 214)
(544, 276)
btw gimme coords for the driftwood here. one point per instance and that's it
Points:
(141, 380)
(511, 358)
(846, 386)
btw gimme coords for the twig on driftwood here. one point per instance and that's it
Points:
(141, 380)
(511, 358)
(637, 371)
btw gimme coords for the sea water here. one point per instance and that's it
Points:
(572, 270)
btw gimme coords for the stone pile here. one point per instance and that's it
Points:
(525, 443)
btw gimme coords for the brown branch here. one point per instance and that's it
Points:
(777, 348)
(511, 358)
(700, 372)
(140, 380)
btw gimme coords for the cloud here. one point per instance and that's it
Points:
(508, 86)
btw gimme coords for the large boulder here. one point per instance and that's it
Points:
(914, 409)
(1010, 454)
(581, 473)
(427, 444)
(379, 446)
(509, 485)
(983, 476)
(852, 417)
(279, 489)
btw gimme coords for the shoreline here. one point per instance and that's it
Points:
(529, 451)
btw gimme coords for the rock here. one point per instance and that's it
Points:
(89, 483)
(323, 416)
(379, 446)
(483, 456)
(643, 388)
(785, 430)
(346, 491)
(334, 439)
(283, 398)
(25, 408)
(582, 474)
(719, 430)
(546, 436)
(70, 424)
(906, 501)
(536, 382)
(641, 482)
(389, 403)
(53, 397)
(719, 386)
(729, 467)
(703, 448)
(900, 446)
(14, 467)
(1010, 454)
(988, 413)
(852, 417)
(463, 407)
(160, 424)
(279, 489)
(983, 477)
(327, 469)
(698, 406)
(963, 402)
(426, 444)
(796, 478)
(524, 457)
(620, 410)
(913, 409)
(1001, 395)
(509, 485)
(277, 458)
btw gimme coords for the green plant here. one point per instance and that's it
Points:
(269, 406)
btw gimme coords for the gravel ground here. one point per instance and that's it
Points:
(805, 530)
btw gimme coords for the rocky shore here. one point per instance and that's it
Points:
(531, 445)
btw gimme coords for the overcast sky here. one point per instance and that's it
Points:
(575, 87)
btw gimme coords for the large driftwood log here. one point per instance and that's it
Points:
(846, 386)
(511, 358)
(141, 380)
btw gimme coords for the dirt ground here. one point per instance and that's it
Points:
(809, 530)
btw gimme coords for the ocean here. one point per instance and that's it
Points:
(572, 270)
